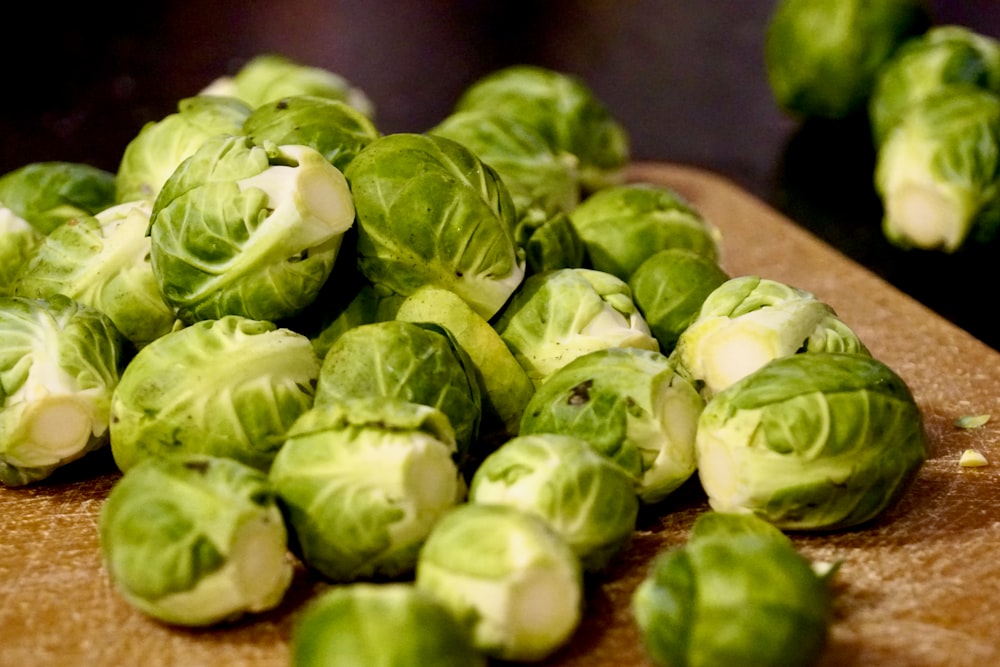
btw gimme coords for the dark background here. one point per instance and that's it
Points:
(686, 77)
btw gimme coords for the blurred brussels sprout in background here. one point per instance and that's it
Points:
(241, 229)
(418, 362)
(812, 441)
(632, 406)
(563, 110)
(737, 593)
(511, 580)
(195, 540)
(622, 226)
(938, 171)
(542, 180)
(334, 128)
(37, 198)
(822, 57)
(669, 288)
(59, 365)
(746, 322)
(430, 212)
(103, 262)
(393, 624)
(560, 315)
(160, 146)
(362, 482)
(505, 387)
(579, 492)
(270, 76)
(47, 194)
(229, 387)
(943, 56)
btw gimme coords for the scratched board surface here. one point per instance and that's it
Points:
(918, 588)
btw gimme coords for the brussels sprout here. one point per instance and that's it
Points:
(103, 262)
(510, 579)
(334, 128)
(943, 56)
(241, 229)
(47, 194)
(812, 441)
(363, 481)
(386, 625)
(560, 315)
(160, 146)
(622, 226)
(18, 242)
(37, 198)
(563, 110)
(540, 178)
(738, 593)
(431, 213)
(550, 243)
(418, 362)
(269, 77)
(505, 387)
(229, 387)
(822, 57)
(195, 540)
(669, 288)
(632, 406)
(748, 321)
(581, 494)
(59, 364)
(938, 171)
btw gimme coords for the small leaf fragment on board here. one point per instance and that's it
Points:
(971, 421)
(972, 458)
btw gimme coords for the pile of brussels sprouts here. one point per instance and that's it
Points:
(930, 94)
(441, 371)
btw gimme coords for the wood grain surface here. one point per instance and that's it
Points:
(920, 587)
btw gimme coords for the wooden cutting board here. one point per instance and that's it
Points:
(918, 588)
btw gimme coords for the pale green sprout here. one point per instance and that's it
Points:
(563, 314)
(161, 145)
(562, 109)
(380, 625)
(430, 212)
(103, 261)
(195, 540)
(736, 592)
(579, 492)
(242, 229)
(59, 364)
(747, 321)
(938, 171)
(38, 197)
(632, 406)
(414, 361)
(363, 481)
(621, 226)
(18, 242)
(510, 580)
(229, 387)
(47, 194)
(817, 441)
(268, 77)
(822, 57)
(944, 55)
